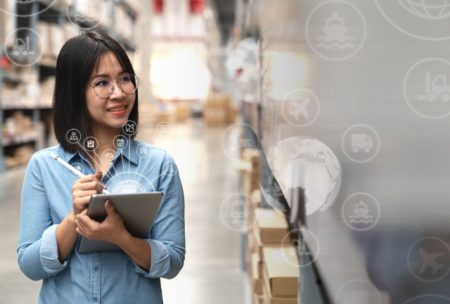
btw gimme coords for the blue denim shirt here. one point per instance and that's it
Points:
(110, 277)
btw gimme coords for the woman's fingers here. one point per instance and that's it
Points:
(88, 185)
(83, 193)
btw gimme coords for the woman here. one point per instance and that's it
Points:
(95, 120)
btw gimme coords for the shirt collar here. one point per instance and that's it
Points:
(130, 152)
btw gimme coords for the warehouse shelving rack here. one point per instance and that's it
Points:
(30, 14)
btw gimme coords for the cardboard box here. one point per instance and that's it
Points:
(215, 116)
(258, 266)
(259, 246)
(182, 111)
(251, 242)
(256, 198)
(232, 114)
(251, 176)
(218, 100)
(163, 117)
(271, 226)
(281, 272)
(267, 299)
(216, 110)
(258, 299)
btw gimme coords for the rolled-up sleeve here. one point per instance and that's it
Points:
(167, 240)
(38, 249)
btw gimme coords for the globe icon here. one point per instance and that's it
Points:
(308, 163)
(428, 9)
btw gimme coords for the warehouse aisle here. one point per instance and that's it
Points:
(212, 268)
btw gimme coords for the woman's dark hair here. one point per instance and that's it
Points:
(77, 60)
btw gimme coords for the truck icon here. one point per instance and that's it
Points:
(361, 142)
(436, 88)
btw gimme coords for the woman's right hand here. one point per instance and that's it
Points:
(83, 189)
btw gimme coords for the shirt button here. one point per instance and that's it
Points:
(95, 299)
(96, 268)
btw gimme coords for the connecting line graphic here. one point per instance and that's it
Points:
(129, 152)
(136, 175)
(97, 163)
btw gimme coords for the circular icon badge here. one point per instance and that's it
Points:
(336, 30)
(233, 212)
(429, 299)
(361, 211)
(73, 136)
(23, 46)
(130, 182)
(303, 255)
(78, 166)
(143, 150)
(361, 143)
(128, 186)
(24, 8)
(169, 169)
(120, 142)
(108, 156)
(421, 19)
(163, 127)
(272, 194)
(90, 143)
(429, 259)
(237, 137)
(89, 15)
(129, 128)
(300, 107)
(358, 291)
(310, 164)
(425, 88)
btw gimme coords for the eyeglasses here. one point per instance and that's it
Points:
(103, 87)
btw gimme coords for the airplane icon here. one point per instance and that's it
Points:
(429, 260)
(300, 108)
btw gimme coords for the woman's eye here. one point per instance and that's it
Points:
(125, 78)
(101, 83)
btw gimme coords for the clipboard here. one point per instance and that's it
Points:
(137, 210)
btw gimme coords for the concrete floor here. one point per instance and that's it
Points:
(212, 271)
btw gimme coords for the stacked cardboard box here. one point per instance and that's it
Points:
(232, 113)
(280, 276)
(163, 117)
(219, 110)
(257, 278)
(21, 156)
(182, 110)
(251, 175)
(272, 259)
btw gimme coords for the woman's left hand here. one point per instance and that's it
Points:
(110, 230)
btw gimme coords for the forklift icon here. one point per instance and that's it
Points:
(435, 89)
(362, 142)
(22, 48)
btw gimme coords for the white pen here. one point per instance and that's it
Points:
(73, 170)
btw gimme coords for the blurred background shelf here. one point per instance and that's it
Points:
(27, 82)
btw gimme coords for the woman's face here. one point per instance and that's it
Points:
(113, 111)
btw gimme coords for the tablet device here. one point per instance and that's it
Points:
(137, 210)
